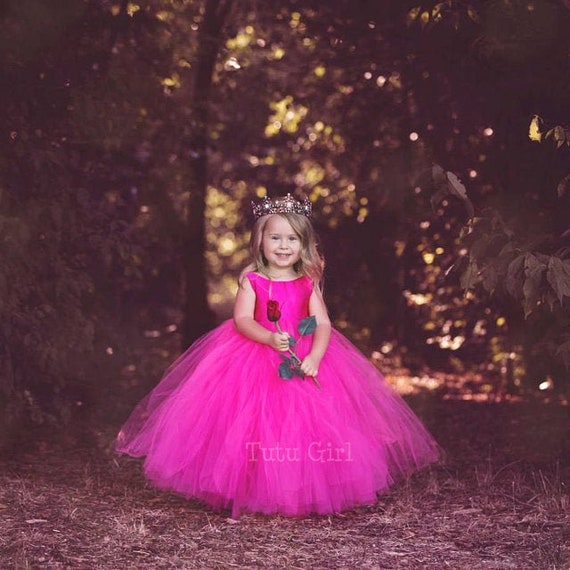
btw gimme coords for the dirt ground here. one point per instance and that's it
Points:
(499, 501)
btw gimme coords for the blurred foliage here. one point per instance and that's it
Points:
(136, 134)
(358, 105)
(93, 197)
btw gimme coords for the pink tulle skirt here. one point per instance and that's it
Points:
(221, 426)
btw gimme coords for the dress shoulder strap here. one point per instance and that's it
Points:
(253, 279)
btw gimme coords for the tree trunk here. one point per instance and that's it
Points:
(198, 317)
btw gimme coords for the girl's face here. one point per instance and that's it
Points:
(280, 244)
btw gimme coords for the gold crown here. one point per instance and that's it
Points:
(281, 205)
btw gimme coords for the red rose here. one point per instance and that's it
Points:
(273, 312)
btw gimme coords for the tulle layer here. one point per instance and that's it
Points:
(222, 426)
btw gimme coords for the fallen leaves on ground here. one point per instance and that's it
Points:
(499, 501)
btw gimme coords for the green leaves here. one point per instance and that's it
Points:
(534, 133)
(563, 186)
(558, 276)
(563, 352)
(561, 136)
(470, 276)
(447, 183)
(499, 261)
(533, 271)
(290, 365)
(515, 276)
(289, 368)
(307, 326)
(530, 278)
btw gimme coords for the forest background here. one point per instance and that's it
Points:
(432, 137)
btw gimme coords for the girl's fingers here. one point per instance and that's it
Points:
(309, 371)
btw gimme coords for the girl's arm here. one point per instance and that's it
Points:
(321, 336)
(245, 323)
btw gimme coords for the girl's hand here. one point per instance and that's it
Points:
(279, 341)
(310, 365)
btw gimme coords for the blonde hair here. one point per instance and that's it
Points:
(311, 263)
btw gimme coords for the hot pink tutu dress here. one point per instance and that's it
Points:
(223, 427)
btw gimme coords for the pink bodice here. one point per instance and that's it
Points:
(292, 296)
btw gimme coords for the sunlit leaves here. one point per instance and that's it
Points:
(232, 64)
(450, 11)
(363, 96)
(558, 133)
(172, 82)
(414, 13)
(534, 133)
(277, 53)
(164, 15)
(320, 71)
(473, 14)
(561, 136)
(313, 174)
(286, 116)
(242, 39)
(132, 8)
(227, 241)
(295, 21)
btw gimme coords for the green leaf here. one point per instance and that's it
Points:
(438, 175)
(438, 197)
(551, 300)
(307, 325)
(457, 188)
(473, 14)
(533, 269)
(563, 186)
(479, 246)
(558, 275)
(292, 342)
(490, 277)
(515, 277)
(445, 183)
(470, 276)
(563, 352)
(286, 370)
(559, 136)
(534, 133)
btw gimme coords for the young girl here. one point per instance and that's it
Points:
(274, 411)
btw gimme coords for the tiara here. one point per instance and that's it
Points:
(281, 205)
